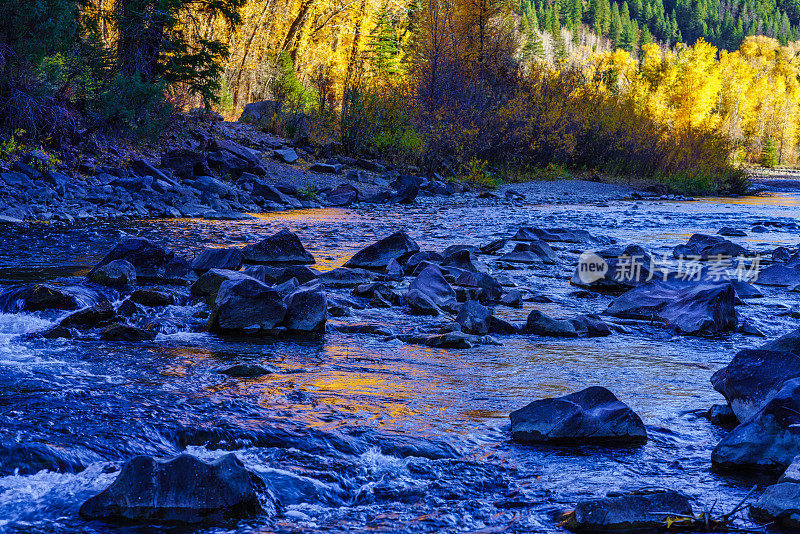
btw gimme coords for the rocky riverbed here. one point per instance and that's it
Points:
(397, 382)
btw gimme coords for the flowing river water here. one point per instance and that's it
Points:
(385, 436)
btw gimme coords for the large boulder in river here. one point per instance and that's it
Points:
(753, 378)
(306, 309)
(490, 289)
(769, 440)
(641, 510)
(184, 489)
(613, 274)
(398, 246)
(689, 308)
(246, 307)
(593, 415)
(207, 286)
(707, 247)
(149, 260)
(431, 283)
(118, 273)
(283, 247)
(37, 297)
(779, 505)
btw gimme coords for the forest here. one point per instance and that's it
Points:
(486, 90)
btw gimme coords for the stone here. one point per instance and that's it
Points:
(753, 378)
(531, 252)
(579, 326)
(246, 306)
(779, 505)
(398, 246)
(218, 258)
(149, 260)
(37, 297)
(326, 168)
(425, 256)
(769, 440)
(344, 277)
(593, 415)
(565, 235)
(98, 315)
(207, 286)
(125, 332)
(463, 260)
(474, 318)
(490, 289)
(688, 308)
(260, 113)
(731, 232)
(306, 310)
(344, 195)
(778, 275)
(184, 489)
(283, 247)
(787, 343)
(286, 155)
(512, 299)
(432, 284)
(118, 273)
(708, 247)
(245, 370)
(638, 511)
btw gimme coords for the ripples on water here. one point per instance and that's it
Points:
(369, 424)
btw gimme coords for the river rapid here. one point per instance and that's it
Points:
(383, 436)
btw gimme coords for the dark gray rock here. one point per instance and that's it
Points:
(181, 490)
(126, 332)
(580, 326)
(246, 307)
(207, 286)
(708, 247)
(593, 415)
(149, 260)
(260, 113)
(425, 256)
(245, 370)
(769, 440)
(463, 260)
(37, 297)
(435, 288)
(490, 288)
(689, 308)
(565, 235)
(781, 254)
(639, 511)
(779, 505)
(283, 247)
(306, 310)
(343, 277)
(531, 252)
(474, 318)
(94, 316)
(344, 195)
(731, 232)
(398, 246)
(287, 155)
(118, 273)
(778, 275)
(326, 168)
(787, 343)
(753, 378)
(218, 258)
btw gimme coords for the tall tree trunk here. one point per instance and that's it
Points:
(246, 53)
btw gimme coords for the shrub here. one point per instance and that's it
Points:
(134, 106)
(769, 154)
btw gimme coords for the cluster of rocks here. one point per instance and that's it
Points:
(210, 178)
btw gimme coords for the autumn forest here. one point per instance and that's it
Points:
(486, 90)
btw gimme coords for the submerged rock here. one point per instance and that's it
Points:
(184, 489)
(643, 510)
(245, 370)
(593, 415)
(98, 315)
(343, 277)
(778, 275)
(283, 247)
(398, 246)
(769, 440)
